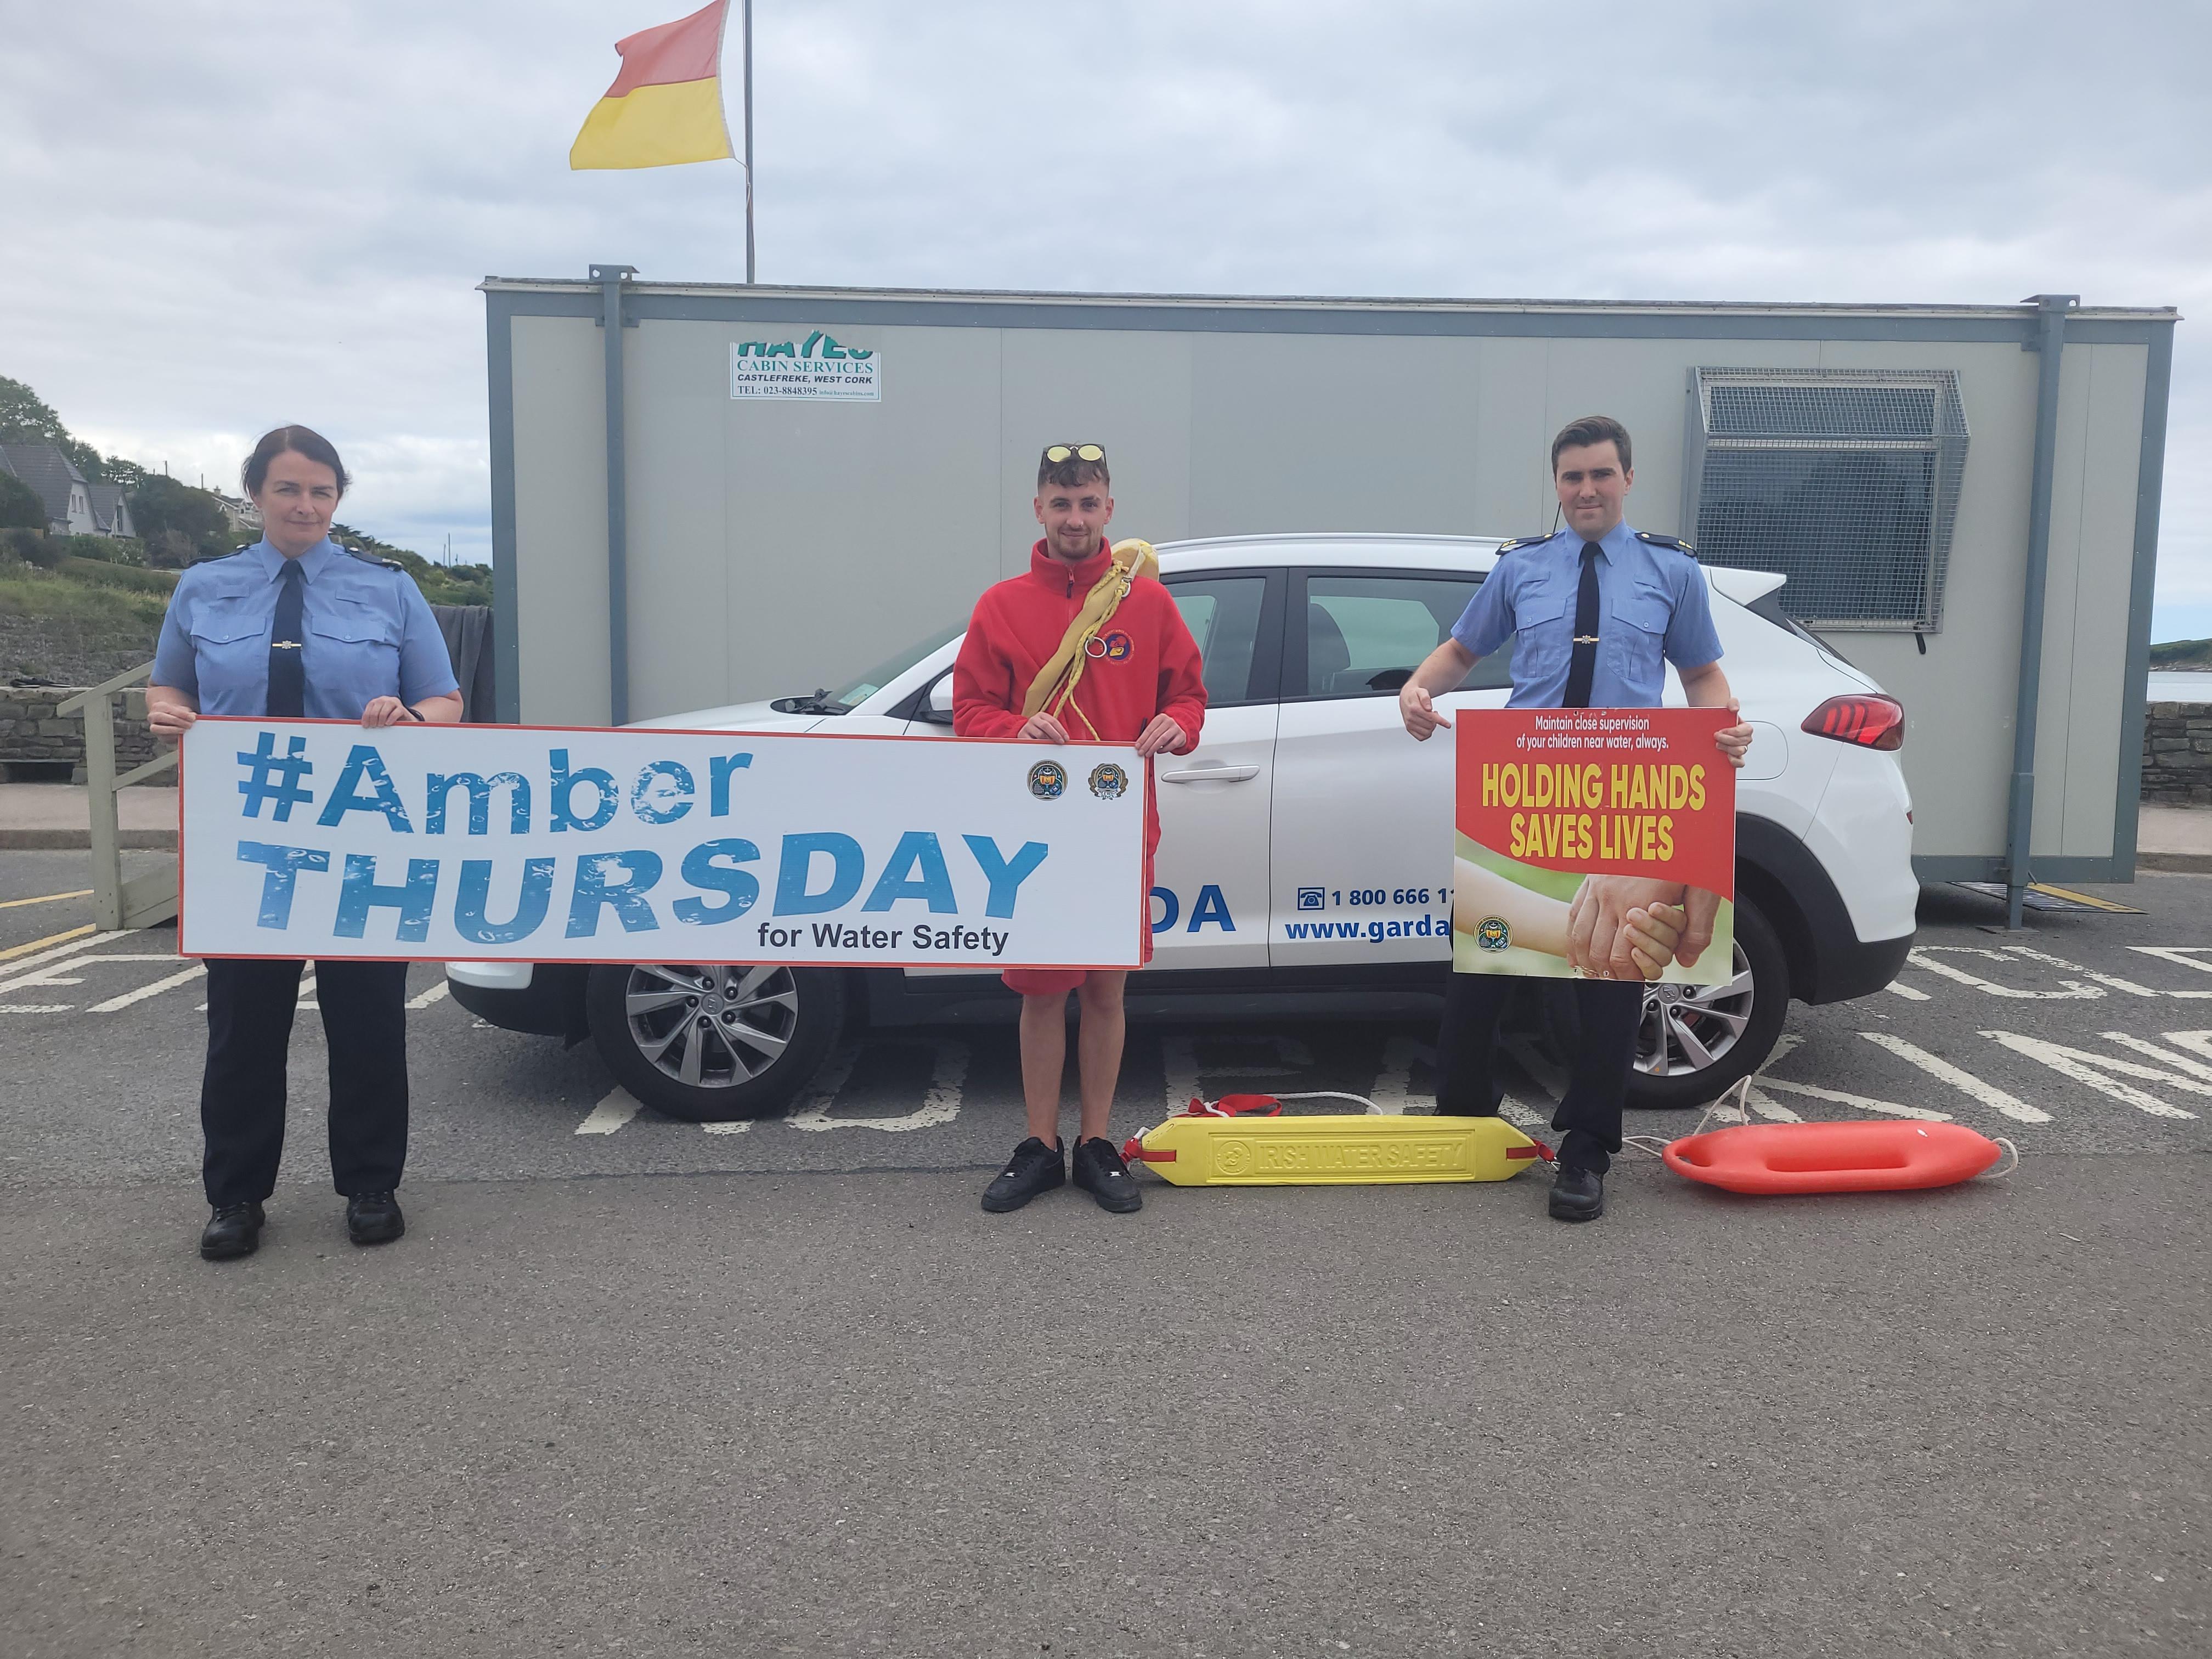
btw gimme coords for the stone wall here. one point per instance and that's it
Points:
(78, 651)
(2177, 766)
(30, 730)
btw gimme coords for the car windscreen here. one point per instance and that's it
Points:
(859, 690)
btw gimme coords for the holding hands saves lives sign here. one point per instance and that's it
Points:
(1584, 832)
(317, 838)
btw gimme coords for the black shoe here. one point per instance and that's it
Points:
(234, 1229)
(373, 1219)
(1100, 1172)
(1577, 1194)
(1035, 1168)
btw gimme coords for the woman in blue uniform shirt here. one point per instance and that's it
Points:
(295, 625)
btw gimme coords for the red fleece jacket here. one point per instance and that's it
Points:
(1150, 664)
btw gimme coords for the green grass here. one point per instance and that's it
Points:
(130, 579)
(2182, 654)
(26, 591)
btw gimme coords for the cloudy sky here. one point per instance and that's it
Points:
(222, 214)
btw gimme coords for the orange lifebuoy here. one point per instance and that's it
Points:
(1855, 1157)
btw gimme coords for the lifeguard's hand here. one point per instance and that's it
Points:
(169, 719)
(387, 711)
(1735, 741)
(1419, 713)
(1044, 728)
(1162, 737)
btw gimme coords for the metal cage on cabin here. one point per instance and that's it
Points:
(1846, 481)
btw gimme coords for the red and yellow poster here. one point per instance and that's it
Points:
(1595, 842)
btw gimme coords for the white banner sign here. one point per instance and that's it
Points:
(815, 367)
(317, 838)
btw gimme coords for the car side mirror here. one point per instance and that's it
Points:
(937, 707)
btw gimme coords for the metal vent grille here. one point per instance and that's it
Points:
(1846, 481)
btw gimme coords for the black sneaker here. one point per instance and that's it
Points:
(1100, 1172)
(373, 1219)
(1035, 1168)
(1577, 1194)
(233, 1230)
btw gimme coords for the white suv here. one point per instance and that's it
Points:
(1305, 823)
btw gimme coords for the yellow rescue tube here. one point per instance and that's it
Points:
(1208, 1150)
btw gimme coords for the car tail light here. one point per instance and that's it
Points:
(1871, 722)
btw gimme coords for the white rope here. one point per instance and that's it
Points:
(1993, 1173)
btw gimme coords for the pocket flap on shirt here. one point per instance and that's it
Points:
(227, 624)
(1537, 609)
(357, 625)
(1646, 608)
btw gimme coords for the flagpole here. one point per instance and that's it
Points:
(749, 139)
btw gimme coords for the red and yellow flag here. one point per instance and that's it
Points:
(666, 106)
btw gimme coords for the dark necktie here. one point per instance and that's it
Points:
(288, 675)
(1584, 668)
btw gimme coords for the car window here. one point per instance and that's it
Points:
(1223, 615)
(1366, 635)
(891, 667)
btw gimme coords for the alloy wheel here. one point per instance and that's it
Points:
(711, 1027)
(1691, 1028)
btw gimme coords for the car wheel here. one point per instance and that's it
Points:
(1699, 1041)
(715, 1044)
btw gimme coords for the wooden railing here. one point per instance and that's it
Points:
(144, 900)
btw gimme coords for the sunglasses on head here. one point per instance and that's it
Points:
(1061, 454)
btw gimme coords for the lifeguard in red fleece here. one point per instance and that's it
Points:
(1086, 645)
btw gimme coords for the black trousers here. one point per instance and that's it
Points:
(1608, 1012)
(249, 1008)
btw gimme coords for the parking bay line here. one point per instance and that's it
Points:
(15, 951)
(610, 1114)
(436, 992)
(1964, 1081)
(36, 970)
(44, 898)
(115, 1005)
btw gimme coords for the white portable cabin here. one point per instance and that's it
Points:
(806, 479)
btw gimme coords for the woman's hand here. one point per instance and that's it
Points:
(169, 712)
(387, 711)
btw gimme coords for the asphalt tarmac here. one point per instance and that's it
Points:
(630, 1386)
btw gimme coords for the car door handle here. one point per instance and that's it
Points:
(1211, 775)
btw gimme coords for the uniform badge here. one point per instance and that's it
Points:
(1047, 780)
(1493, 934)
(1108, 781)
(1110, 648)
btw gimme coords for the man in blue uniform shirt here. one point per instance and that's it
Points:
(1596, 612)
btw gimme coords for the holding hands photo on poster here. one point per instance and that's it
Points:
(1595, 842)
(317, 838)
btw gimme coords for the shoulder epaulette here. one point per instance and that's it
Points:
(371, 558)
(1658, 540)
(1523, 541)
(209, 558)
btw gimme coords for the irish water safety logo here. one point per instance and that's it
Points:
(1492, 934)
(1108, 781)
(1047, 780)
(1115, 646)
(820, 366)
